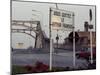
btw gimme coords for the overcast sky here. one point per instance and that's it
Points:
(23, 11)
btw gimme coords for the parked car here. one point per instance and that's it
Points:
(86, 54)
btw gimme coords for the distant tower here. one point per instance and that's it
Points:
(86, 26)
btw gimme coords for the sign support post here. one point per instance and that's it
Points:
(74, 64)
(50, 63)
(91, 46)
(60, 19)
(90, 15)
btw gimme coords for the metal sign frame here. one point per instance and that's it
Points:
(62, 28)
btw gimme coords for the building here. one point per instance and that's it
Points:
(84, 40)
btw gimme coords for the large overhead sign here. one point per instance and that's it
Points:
(61, 19)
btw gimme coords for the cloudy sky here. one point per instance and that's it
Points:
(23, 11)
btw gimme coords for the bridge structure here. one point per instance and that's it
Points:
(28, 27)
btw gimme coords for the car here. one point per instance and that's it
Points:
(86, 54)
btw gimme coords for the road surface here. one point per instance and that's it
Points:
(64, 59)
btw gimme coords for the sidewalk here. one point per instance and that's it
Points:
(64, 54)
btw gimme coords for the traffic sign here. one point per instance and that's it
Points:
(61, 19)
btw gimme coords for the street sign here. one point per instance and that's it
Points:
(90, 26)
(61, 19)
(90, 14)
(70, 37)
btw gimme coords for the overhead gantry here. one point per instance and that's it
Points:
(27, 27)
